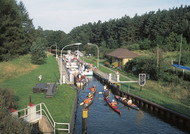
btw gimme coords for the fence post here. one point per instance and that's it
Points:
(40, 110)
(54, 127)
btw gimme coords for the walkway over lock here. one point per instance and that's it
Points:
(35, 113)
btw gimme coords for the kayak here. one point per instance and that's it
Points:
(87, 105)
(106, 93)
(90, 101)
(125, 103)
(115, 108)
(93, 93)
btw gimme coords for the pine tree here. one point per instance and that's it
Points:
(38, 52)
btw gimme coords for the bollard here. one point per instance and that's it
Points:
(14, 113)
(117, 76)
(31, 112)
(109, 77)
(84, 121)
(71, 78)
(64, 80)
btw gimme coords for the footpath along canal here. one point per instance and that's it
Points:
(103, 120)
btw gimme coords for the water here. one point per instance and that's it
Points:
(103, 120)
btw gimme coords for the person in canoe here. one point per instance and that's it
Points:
(129, 102)
(89, 95)
(105, 87)
(124, 98)
(106, 91)
(93, 89)
(86, 101)
(113, 103)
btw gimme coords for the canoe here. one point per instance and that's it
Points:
(87, 105)
(115, 108)
(126, 104)
(93, 93)
(91, 100)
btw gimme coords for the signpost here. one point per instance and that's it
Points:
(142, 80)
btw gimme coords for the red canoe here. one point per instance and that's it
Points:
(115, 108)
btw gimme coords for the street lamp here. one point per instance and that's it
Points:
(56, 49)
(97, 53)
(77, 44)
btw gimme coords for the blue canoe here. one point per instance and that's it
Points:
(126, 104)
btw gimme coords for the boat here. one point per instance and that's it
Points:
(80, 81)
(125, 103)
(115, 108)
(90, 101)
(87, 70)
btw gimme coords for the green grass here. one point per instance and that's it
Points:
(15, 68)
(60, 106)
(163, 99)
(166, 96)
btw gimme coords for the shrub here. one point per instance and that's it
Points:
(107, 64)
(8, 123)
(134, 47)
(115, 64)
(185, 60)
(148, 65)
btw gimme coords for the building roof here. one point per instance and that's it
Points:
(122, 53)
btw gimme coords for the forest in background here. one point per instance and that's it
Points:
(145, 32)
(162, 28)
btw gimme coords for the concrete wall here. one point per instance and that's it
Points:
(72, 121)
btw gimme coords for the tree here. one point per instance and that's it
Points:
(145, 44)
(185, 60)
(15, 30)
(27, 26)
(38, 52)
(9, 124)
(148, 27)
(148, 65)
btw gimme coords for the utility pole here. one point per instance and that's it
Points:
(180, 50)
(157, 55)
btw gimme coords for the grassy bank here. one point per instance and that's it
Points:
(60, 106)
(16, 68)
(175, 97)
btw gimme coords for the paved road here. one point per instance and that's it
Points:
(63, 70)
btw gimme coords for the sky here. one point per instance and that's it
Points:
(64, 15)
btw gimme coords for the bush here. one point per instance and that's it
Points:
(148, 65)
(115, 64)
(145, 44)
(134, 47)
(107, 64)
(185, 60)
(9, 124)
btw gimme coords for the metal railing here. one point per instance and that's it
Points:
(41, 109)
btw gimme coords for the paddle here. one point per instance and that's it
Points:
(81, 103)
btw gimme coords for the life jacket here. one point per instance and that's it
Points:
(112, 104)
(86, 101)
(93, 89)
